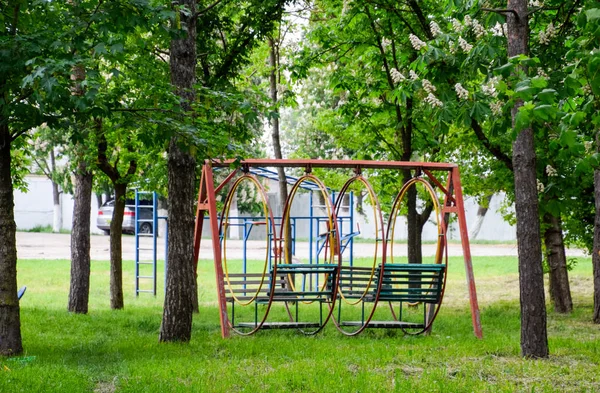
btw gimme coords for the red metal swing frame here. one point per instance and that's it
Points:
(453, 204)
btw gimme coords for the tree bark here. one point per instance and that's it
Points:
(181, 165)
(534, 340)
(560, 291)
(116, 248)
(10, 317)
(119, 183)
(273, 79)
(80, 241)
(596, 253)
(283, 190)
(481, 212)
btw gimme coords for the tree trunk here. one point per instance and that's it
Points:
(80, 241)
(116, 248)
(560, 292)
(481, 212)
(534, 340)
(273, 79)
(10, 318)
(57, 216)
(273, 62)
(181, 289)
(178, 309)
(596, 253)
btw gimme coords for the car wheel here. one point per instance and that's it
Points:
(145, 227)
(106, 232)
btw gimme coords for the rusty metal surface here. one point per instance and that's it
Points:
(307, 163)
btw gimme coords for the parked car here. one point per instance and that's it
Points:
(105, 214)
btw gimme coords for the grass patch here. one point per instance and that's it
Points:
(43, 229)
(118, 351)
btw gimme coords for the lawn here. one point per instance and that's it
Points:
(109, 351)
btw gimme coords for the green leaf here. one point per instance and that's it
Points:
(505, 69)
(116, 48)
(539, 82)
(100, 49)
(593, 14)
(524, 92)
(568, 138)
(547, 96)
(522, 120)
(545, 112)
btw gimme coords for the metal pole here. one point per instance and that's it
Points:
(464, 240)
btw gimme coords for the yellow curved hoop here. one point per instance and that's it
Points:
(436, 205)
(374, 200)
(437, 208)
(331, 223)
(225, 224)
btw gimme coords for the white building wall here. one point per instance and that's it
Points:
(36, 206)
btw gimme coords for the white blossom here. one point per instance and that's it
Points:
(587, 89)
(497, 30)
(540, 186)
(416, 42)
(461, 92)
(545, 36)
(541, 73)
(496, 108)
(433, 100)
(281, 89)
(413, 75)
(345, 6)
(536, 3)
(464, 45)
(478, 29)
(396, 75)
(385, 42)
(435, 29)
(451, 47)
(489, 88)
(588, 146)
(428, 87)
(551, 171)
(457, 26)
(467, 20)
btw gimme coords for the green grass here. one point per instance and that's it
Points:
(43, 229)
(108, 351)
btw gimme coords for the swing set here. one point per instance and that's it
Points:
(279, 291)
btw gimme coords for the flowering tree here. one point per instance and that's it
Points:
(547, 87)
(372, 107)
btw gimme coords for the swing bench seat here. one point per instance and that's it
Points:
(404, 282)
(245, 285)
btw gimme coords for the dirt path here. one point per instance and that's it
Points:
(58, 246)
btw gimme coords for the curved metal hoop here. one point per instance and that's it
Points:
(332, 241)
(378, 220)
(441, 246)
(269, 225)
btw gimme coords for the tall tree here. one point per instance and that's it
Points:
(177, 316)
(534, 339)
(215, 114)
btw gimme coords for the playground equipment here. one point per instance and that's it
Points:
(412, 292)
(145, 271)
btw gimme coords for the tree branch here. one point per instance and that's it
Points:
(501, 11)
(493, 149)
(210, 7)
(103, 163)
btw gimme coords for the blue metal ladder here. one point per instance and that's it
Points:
(139, 277)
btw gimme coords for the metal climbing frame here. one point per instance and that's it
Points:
(142, 274)
(453, 204)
